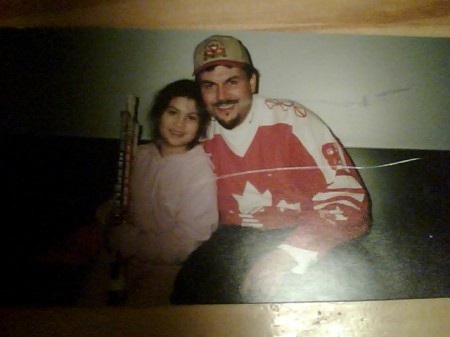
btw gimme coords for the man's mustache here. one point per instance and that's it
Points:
(228, 101)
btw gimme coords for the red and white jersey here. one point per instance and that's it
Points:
(282, 167)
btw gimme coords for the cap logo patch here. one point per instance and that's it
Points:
(213, 50)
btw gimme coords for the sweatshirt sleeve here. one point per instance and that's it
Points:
(197, 216)
(190, 211)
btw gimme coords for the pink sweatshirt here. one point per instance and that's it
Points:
(173, 205)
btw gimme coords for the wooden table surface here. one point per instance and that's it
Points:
(385, 17)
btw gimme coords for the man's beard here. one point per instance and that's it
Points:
(228, 124)
(231, 123)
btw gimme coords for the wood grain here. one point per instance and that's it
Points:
(405, 318)
(388, 17)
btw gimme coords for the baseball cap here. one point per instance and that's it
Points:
(220, 50)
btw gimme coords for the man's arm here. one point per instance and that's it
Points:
(340, 209)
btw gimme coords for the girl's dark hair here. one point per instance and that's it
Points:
(181, 88)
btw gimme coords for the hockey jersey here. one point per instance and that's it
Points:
(283, 167)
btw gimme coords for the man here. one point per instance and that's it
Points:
(287, 192)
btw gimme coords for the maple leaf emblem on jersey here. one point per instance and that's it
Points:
(252, 200)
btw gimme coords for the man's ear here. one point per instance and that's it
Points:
(254, 83)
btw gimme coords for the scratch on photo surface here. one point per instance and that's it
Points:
(346, 104)
(315, 167)
(392, 92)
(365, 100)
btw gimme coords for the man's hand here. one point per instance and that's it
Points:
(265, 275)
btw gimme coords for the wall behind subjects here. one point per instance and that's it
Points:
(373, 91)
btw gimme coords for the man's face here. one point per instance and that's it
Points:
(227, 93)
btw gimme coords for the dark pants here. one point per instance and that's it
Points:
(214, 272)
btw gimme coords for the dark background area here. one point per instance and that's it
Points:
(52, 187)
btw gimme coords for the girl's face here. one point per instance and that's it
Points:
(179, 125)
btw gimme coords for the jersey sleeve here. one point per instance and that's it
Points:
(340, 209)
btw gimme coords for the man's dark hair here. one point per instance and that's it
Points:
(181, 88)
(247, 68)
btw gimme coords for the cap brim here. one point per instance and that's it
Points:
(230, 63)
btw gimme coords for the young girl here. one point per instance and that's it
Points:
(173, 202)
